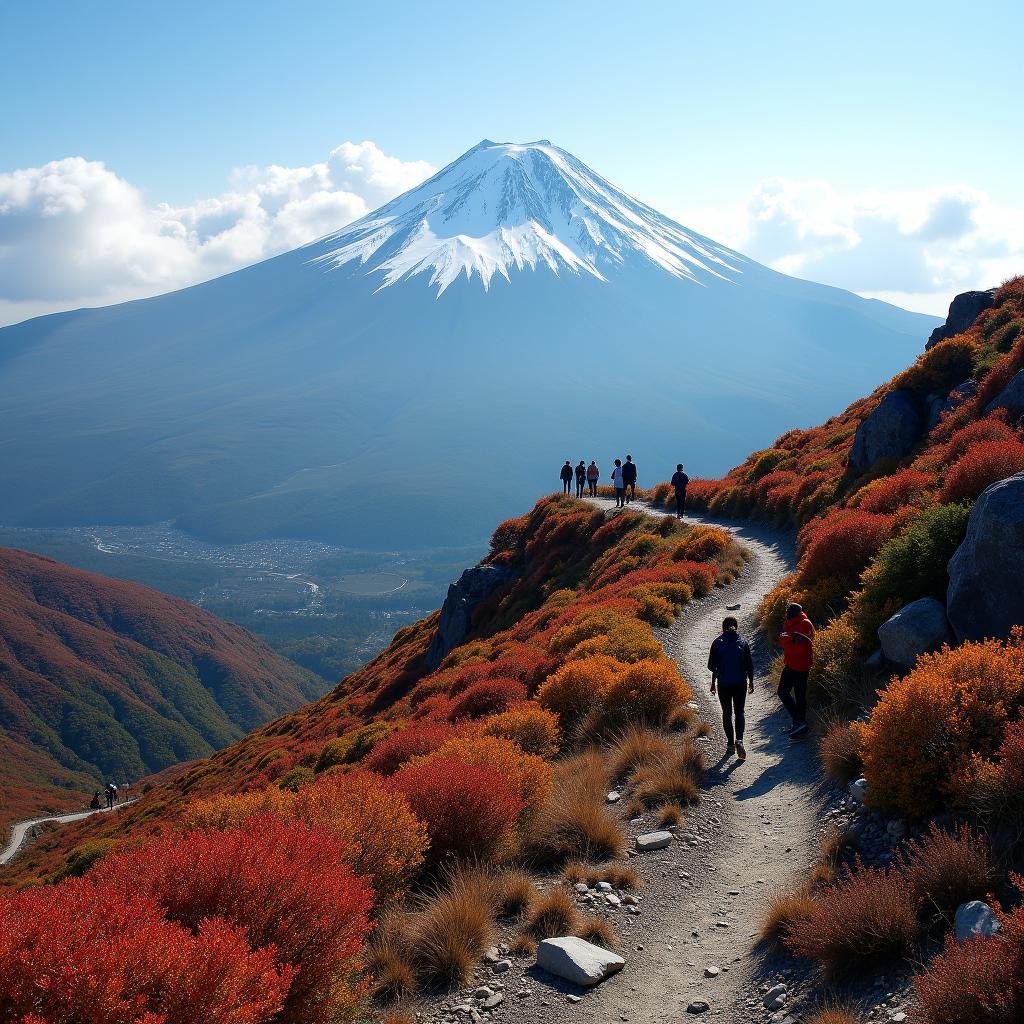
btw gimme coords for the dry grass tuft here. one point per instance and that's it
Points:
(554, 913)
(671, 777)
(636, 745)
(523, 945)
(682, 719)
(621, 877)
(598, 931)
(948, 868)
(397, 1017)
(833, 1015)
(670, 814)
(703, 729)
(782, 911)
(840, 752)
(576, 871)
(515, 894)
(387, 963)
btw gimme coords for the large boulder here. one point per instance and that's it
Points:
(473, 586)
(975, 920)
(985, 596)
(963, 311)
(890, 431)
(917, 628)
(1011, 397)
(577, 960)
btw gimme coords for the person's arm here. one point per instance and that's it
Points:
(713, 664)
(748, 665)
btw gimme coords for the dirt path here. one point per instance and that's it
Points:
(21, 831)
(758, 826)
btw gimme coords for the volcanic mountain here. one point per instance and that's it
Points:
(426, 370)
(102, 679)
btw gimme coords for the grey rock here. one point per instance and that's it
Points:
(473, 586)
(985, 597)
(696, 1006)
(603, 886)
(611, 899)
(577, 960)
(653, 841)
(502, 967)
(916, 628)
(963, 311)
(493, 1000)
(975, 920)
(711, 972)
(493, 955)
(890, 431)
(1011, 397)
(483, 992)
(574, 999)
(858, 789)
(614, 796)
(581, 888)
(960, 394)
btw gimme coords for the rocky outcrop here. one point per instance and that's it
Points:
(917, 628)
(1011, 397)
(577, 960)
(473, 586)
(962, 312)
(985, 596)
(975, 920)
(939, 405)
(890, 431)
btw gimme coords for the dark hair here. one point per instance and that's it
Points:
(729, 622)
(679, 465)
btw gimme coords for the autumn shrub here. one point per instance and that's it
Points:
(527, 774)
(838, 654)
(285, 884)
(989, 430)
(947, 869)
(353, 746)
(982, 464)
(611, 631)
(531, 727)
(469, 811)
(81, 858)
(636, 744)
(672, 777)
(77, 954)
(783, 911)
(867, 916)
(888, 493)
(842, 543)
(980, 980)
(486, 698)
(294, 778)
(387, 842)
(927, 727)
(702, 544)
(225, 810)
(833, 1015)
(554, 913)
(840, 753)
(414, 740)
(576, 688)
(646, 693)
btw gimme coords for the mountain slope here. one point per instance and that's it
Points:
(104, 679)
(388, 361)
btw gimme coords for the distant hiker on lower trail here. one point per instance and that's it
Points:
(593, 475)
(581, 478)
(111, 795)
(679, 482)
(629, 477)
(566, 476)
(94, 803)
(619, 485)
(732, 674)
(797, 643)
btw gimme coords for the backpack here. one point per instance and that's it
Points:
(730, 663)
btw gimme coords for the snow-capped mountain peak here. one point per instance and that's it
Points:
(502, 207)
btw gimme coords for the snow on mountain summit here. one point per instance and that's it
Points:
(503, 207)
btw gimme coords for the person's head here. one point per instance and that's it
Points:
(592, 462)
(618, 462)
(679, 465)
(567, 462)
(793, 610)
(629, 458)
(730, 623)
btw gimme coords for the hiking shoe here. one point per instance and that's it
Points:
(798, 730)
(730, 748)
(741, 752)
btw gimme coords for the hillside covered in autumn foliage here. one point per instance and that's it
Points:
(102, 679)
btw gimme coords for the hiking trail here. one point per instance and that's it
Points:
(21, 831)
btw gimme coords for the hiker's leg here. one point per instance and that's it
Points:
(786, 683)
(739, 701)
(725, 699)
(800, 692)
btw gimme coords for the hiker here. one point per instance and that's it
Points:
(629, 477)
(581, 478)
(111, 795)
(566, 476)
(619, 485)
(679, 482)
(732, 673)
(94, 803)
(593, 475)
(797, 643)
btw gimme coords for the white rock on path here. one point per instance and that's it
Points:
(577, 960)
(614, 796)
(858, 790)
(653, 841)
(975, 920)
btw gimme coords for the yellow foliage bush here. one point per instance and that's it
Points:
(576, 688)
(929, 728)
(660, 603)
(646, 693)
(702, 544)
(532, 727)
(226, 811)
(607, 630)
(528, 774)
(837, 658)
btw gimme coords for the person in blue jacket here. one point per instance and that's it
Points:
(732, 674)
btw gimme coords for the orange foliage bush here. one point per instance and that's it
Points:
(533, 728)
(702, 544)
(646, 693)
(605, 630)
(576, 688)
(529, 775)
(982, 464)
(470, 811)
(286, 884)
(928, 727)
(487, 697)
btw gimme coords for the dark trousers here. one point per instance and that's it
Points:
(565, 486)
(579, 488)
(793, 693)
(733, 700)
(592, 484)
(680, 503)
(631, 491)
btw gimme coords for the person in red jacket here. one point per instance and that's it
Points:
(797, 643)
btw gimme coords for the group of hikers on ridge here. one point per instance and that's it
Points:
(623, 481)
(732, 675)
(110, 792)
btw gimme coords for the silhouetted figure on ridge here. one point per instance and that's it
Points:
(593, 475)
(619, 485)
(581, 478)
(679, 482)
(566, 476)
(629, 478)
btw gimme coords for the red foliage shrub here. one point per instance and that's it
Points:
(76, 953)
(528, 774)
(888, 493)
(286, 884)
(992, 428)
(981, 980)
(982, 464)
(412, 741)
(842, 543)
(486, 698)
(469, 811)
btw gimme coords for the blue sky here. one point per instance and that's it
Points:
(692, 107)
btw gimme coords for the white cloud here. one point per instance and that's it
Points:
(917, 249)
(73, 233)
